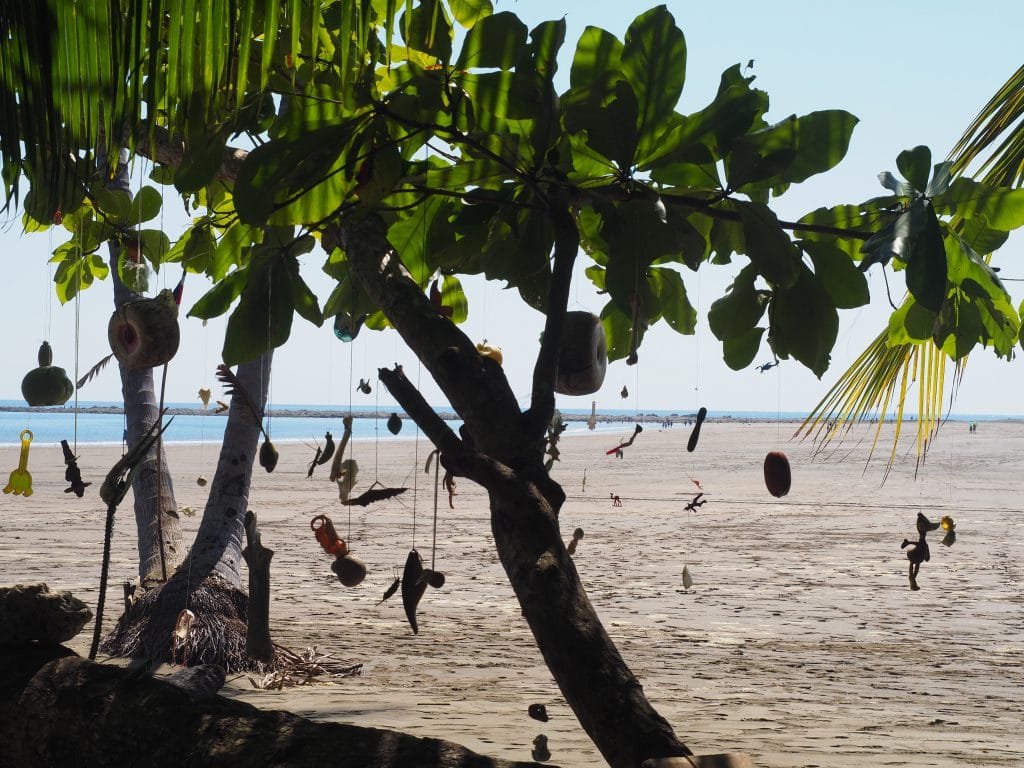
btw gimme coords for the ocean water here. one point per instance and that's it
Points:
(52, 425)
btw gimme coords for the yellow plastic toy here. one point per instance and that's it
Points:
(20, 481)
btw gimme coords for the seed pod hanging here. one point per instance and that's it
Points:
(394, 423)
(583, 355)
(777, 476)
(47, 384)
(350, 570)
(144, 333)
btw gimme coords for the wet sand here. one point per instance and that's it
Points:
(798, 643)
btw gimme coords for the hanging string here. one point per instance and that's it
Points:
(78, 336)
(437, 483)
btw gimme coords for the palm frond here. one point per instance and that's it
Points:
(93, 372)
(1000, 120)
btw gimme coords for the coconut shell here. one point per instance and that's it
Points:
(435, 579)
(582, 356)
(144, 333)
(394, 423)
(350, 570)
(777, 476)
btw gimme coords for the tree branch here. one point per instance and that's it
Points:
(567, 243)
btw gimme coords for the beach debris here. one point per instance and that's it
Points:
(205, 395)
(364, 387)
(777, 476)
(32, 613)
(47, 384)
(188, 511)
(336, 465)
(394, 423)
(538, 712)
(576, 536)
(435, 299)
(290, 669)
(72, 474)
(691, 444)
(616, 501)
(624, 393)
(617, 450)
(918, 551)
(201, 481)
(582, 355)
(767, 366)
(687, 578)
(695, 502)
(540, 750)
(373, 495)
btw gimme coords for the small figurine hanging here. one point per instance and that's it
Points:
(577, 535)
(394, 423)
(47, 384)
(777, 476)
(20, 481)
(415, 579)
(617, 450)
(691, 444)
(918, 551)
(72, 474)
(364, 387)
(349, 569)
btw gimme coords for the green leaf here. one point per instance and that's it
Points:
(846, 284)
(263, 317)
(453, 296)
(848, 217)
(606, 110)
(495, 42)
(426, 28)
(915, 164)
(926, 269)
(998, 207)
(219, 299)
(675, 305)
(199, 250)
(768, 246)
(804, 322)
(653, 59)
(303, 299)
(740, 309)
(740, 351)
(618, 331)
(470, 12)
(910, 324)
(597, 53)
(154, 246)
(145, 206)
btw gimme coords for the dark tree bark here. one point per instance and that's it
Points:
(502, 450)
(76, 713)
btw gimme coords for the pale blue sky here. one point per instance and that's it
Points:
(914, 73)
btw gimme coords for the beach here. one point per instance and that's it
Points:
(798, 643)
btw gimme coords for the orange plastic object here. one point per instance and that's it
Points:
(20, 481)
(328, 538)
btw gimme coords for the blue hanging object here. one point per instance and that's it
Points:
(345, 328)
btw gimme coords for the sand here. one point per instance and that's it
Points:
(799, 642)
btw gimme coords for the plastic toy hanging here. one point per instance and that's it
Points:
(918, 551)
(20, 481)
(72, 473)
(349, 569)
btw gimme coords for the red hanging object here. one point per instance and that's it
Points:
(777, 476)
(327, 537)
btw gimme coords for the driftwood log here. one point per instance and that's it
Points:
(73, 712)
(258, 644)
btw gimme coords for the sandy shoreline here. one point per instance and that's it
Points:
(799, 642)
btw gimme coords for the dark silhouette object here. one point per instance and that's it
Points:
(777, 475)
(617, 450)
(73, 474)
(766, 366)
(394, 423)
(918, 552)
(691, 444)
(538, 712)
(695, 502)
(364, 387)
(540, 748)
(616, 501)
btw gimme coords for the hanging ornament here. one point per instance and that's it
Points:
(687, 578)
(435, 299)
(204, 395)
(72, 474)
(144, 333)
(592, 421)
(268, 455)
(47, 384)
(538, 712)
(582, 356)
(777, 476)
(691, 444)
(394, 423)
(950, 528)
(918, 551)
(570, 548)
(413, 587)
(624, 393)
(491, 352)
(350, 570)
(346, 327)
(20, 481)
(364, 387)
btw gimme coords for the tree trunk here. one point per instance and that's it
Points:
(76, 713)
(156, 511)
(258, 644)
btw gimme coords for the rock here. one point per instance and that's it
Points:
(201, 679)
(31, 612)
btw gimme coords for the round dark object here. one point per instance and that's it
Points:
(538, 712)
(777, 476)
